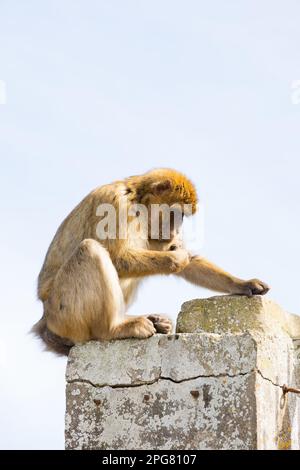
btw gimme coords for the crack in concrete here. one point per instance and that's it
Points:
(161, 377)
(269, 380)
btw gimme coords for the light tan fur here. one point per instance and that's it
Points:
(86, 284)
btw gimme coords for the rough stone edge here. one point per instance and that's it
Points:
(80, 359)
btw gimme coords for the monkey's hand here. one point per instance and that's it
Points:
(179, 259)
(251, 287)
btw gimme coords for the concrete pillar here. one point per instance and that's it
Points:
(216, 384)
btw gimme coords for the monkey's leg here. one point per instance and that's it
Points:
(206, 274)
(86, 300)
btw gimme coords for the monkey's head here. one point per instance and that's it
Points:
(164, 187)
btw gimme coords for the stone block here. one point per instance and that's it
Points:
(216, 384)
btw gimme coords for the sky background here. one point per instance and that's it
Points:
(99, 90)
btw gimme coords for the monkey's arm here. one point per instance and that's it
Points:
(140, 263)
(206, 274)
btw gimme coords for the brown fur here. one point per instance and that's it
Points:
(52, 341)
(86, 286)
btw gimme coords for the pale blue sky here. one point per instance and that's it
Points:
(98, 90)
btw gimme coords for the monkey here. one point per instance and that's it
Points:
(86, 284)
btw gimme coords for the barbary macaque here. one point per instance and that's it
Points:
(89, 278)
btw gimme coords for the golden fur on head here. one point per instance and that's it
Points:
(162, 185)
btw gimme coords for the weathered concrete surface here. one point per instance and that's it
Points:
(164, 415)
(236, 314)
(216, 385)
(272, 329)
(176, 391)
(274, 332)
(176, 357)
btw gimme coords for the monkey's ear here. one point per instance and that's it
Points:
(161, 187)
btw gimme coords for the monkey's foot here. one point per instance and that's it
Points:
(161, 324)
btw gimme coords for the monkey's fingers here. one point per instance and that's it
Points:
(161, 324)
